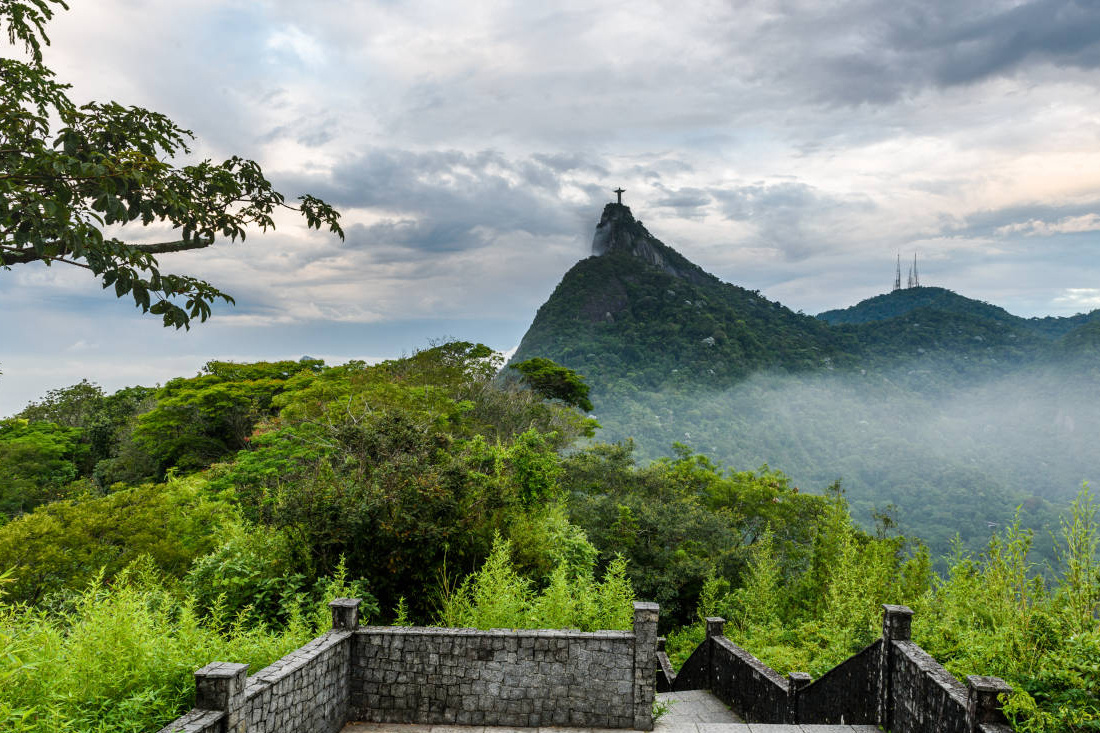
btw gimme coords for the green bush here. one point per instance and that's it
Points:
(497, 596)
(123, 658)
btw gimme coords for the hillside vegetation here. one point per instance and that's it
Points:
(440, 492)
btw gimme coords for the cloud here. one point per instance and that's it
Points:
(1083, 299)
(1067, 225)
(791, 217)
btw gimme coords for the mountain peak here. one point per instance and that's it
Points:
(620, 233)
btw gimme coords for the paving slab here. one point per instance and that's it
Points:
(774, 728)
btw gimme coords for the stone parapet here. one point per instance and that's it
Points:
(892, 683)
(518, 678)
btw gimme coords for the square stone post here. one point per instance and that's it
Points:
(645, 663)
(716, 626)
(982, 705)
(345, 614)
(220, 686)
(795, 682)
(896, 625)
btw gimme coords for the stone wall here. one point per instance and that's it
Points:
(846, 694)
(436, 676)
(505, 677)
(892, 683)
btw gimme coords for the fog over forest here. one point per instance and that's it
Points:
(951, 453)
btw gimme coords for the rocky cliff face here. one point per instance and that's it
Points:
(619, 233)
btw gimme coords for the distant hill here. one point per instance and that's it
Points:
(906, 300)
(950, 409)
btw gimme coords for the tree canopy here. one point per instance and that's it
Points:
(554, 382)
(69, 171)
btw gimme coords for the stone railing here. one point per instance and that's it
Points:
(388, 674)
(892, 683)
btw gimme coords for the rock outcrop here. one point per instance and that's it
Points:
(619, 233)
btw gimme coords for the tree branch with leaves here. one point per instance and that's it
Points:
(108, 165)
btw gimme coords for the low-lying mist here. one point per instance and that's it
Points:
(951, 453)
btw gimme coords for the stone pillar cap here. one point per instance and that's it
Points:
(987, 684)
(221, 669)
(646, 606)
(344, 602)
(900, 610)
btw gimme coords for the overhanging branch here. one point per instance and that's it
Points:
(20, 255)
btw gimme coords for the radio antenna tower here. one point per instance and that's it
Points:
(916, 276)
(897, 277)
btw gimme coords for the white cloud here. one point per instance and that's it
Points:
(1082, 299)
(1067, 225)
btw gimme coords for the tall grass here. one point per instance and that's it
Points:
(121, 657)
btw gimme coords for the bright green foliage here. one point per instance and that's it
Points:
(812, 615)
(554, 382)
(37, 463)
(105, 424)
(536, 468)
(993, 615)
(106, 164)
(121, 657)
(544, 541)
(201, 419)
(402, 468)
(63, 545)
(252, 572)
(497, 596)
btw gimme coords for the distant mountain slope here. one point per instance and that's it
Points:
(905, 301)
(640, 315)
(902, 302)
(952, 410)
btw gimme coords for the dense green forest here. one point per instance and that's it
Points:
(149, 531)
(944, 411)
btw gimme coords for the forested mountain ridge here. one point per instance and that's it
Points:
(638, 312)
(638, 315)
(948, 411)
(906, 301)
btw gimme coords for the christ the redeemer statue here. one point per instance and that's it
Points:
(620, 191)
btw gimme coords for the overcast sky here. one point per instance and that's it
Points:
(796, 147)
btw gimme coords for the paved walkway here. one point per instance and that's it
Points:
(692, 711)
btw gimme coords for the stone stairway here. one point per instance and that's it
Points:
(698, 711)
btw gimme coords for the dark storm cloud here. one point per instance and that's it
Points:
(1061, 32)
(449, 201)
(876, 51)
